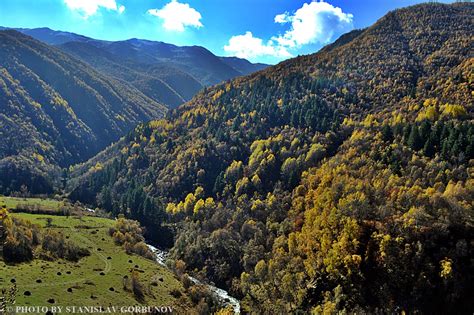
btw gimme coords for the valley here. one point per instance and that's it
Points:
(168, 74)
(95, 280)
(335, 182)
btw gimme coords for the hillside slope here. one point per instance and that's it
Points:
(51, 37)
(167, 73)
(56, 110)
(77, 259)
(199, 62)
(339, 181)
(160, 81)
(243, 66)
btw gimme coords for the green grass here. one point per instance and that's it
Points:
(43, 204)
(92, 278)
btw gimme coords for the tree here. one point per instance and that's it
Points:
(387, 134)
(24, 191)
(49, 222)
(429, 147)
(137, 287)
(414, 140)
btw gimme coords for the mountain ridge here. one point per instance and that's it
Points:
(196, 66)
(337, 181)
(65, 110)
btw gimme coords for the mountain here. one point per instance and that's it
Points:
(161, 82)
(243, 66)
(334, 182)
(56, 111)
(195, 60)
(49, 36)
(166, 73)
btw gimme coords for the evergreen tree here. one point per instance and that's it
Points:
(429, 147)
(414, 140)
(387, 134)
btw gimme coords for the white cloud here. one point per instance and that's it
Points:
(248, 46)
(315, 22)
(177, 16)
(282, 18)
(90, 7)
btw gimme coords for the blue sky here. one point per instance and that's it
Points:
(259, 30)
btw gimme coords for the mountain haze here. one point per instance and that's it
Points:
(161, 82)
(51, 37)
(167, 73)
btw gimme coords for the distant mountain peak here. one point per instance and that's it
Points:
(196, 61)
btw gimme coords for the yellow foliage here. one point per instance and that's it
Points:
(397, 118)
(370, 121)
(163, 124)
(97, 167)
(199, 192)
(38, 157)
(446, 268)
(217, 95)
(200, 204)
(171, 208)
(36, 104)
(348, 122)
(357, 134)
(256, 181)
(260, 269)
(430, 102)
(210, 202)
(257, 204)
(225, 311)
(430, 113)
(189, 202)
(455, 190)
(453, 110)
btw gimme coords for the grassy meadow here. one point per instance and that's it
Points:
(97, 279)
(39, 203)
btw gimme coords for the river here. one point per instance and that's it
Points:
(222, 295)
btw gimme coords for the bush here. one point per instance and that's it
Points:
(55, 244)
(21, 239)
(137, 287)
(129, 234)
(133, 284)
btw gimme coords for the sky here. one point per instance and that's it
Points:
(265, 31)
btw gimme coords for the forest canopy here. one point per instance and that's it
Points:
(340, 181)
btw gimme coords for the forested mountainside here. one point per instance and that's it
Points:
(243, 66)
(56, 111)
(161, 82)
(338, 181)
(167, 73)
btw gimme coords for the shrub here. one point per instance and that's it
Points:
(21, 239)
(129, 234)
(55, 244)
